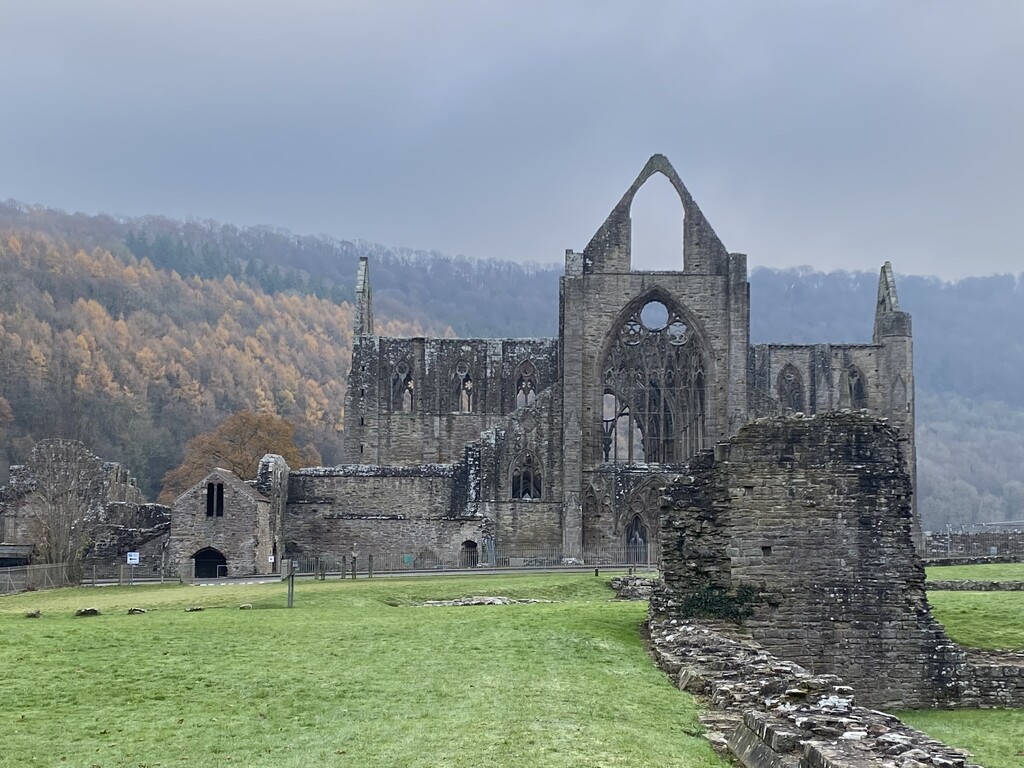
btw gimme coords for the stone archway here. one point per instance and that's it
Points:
(210, 563)
(469, 555)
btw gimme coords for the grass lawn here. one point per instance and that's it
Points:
(994, 736)
(979, 620)
(993, 620)
(982, 572)
(353, 675)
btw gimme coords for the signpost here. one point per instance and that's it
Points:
(133, 560)
(291, 582)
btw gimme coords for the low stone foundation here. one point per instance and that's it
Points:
(771, 713)
(967, 585)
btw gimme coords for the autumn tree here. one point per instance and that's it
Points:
(237, 444)
(66, 484)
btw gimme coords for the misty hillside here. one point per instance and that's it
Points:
(130, 317)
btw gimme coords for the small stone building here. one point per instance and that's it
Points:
(222, 527)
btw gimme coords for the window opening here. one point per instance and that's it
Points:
(656, 224)
(402, 388)
(464, 396)
(852, 389)
(527, 478)
(526, 383)
(791, 388)
(654, 402)
(215, 499)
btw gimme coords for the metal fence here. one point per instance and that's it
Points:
(981, 541)
(25, 578)
(473, 560)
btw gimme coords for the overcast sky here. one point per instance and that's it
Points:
(831, 134)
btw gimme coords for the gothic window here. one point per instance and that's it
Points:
(853, 389)
(526, 478)
(402, 387)
(463, 396)
(654, 389)
(637, 539)
(791, 388)
(526, 383)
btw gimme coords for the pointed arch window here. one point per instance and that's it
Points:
(526, 383)
(853, 389)
(463, 397)
(527, 478)
(791, 388)
(655, 394)
(900, 403)
(637, 539)
(402, 387)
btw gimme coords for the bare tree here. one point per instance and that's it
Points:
(65, 485)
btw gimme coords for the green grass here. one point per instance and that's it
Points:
(992, 620)
(353, 675)
(994, 736)
(981, 572)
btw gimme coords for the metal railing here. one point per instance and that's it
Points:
(473, 560)
(26, 578)
(978, 541)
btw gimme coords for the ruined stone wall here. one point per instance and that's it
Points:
(821, 368)
(801, 528)
(383, 509)
(427, 420)
(272, 482)
(616, 493)
(124, 527)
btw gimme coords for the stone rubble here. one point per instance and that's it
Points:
(770, 712)
(478, 600)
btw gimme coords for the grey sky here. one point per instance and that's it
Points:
(831, 134)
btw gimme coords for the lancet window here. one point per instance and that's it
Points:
(527, 478)
(463, 396)
(655, 396)
(526, 383)
(791, 388)
(402, 387)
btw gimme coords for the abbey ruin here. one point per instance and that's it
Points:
(561, 444)
(457, 448)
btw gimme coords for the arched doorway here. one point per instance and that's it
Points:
(469, 555)
(210, 564)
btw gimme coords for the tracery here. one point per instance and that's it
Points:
(654, 389)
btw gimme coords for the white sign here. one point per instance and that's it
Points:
(270, 558)
(133, 558)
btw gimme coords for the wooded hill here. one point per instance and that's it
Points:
(134, 335)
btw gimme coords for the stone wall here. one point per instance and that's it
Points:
(379, 509)
(426, 420)
(124, 527)
(801, 528)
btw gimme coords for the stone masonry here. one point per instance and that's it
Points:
(799, 529)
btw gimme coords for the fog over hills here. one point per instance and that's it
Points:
(177, 290)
